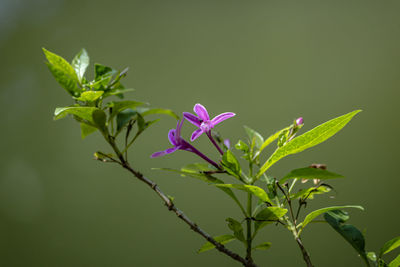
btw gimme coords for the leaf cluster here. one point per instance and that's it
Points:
(92, 106)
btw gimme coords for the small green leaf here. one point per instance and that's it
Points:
(310, 173)
(223, 239)
(118, 106)
(395, 262)
(309, 193)
(160, 111)
(100, 71)
(124, 117)
(263, 246)
(80, 63)
(309, 139)
(270, 214)
(389, 246)
(103, 157)
(258, 139)
(283, 137)
(372, 256)
(255, 190)
(141, 123)
(272, 138)
(242, 146)
(198, 168)
(267, 216)
(231, 164)
(84, 113)
(63, 72)
(86, 130)
(237, 229)
(348, 232)
(201, 176)
(90, 96)
(312, 215)
(99, 118)
(118, 92)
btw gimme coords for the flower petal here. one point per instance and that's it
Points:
(178, 131)
(158, 154)
(171, 137)
(192, 118)
(201, 111)
(163, 153)
(222, 117)
(196, 134)
(170, 150)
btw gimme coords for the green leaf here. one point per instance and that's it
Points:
(242, 146)
(310, 173)
(63, 72)
(309, 139)
(231, 164)
(258, 139)
(86, 130)
(309, 193)
(395, 262)
(267, 216)
(84, 113)
(198, 168)
(100, 71)
(389, 246)
(255, 190)
(312, 215)
(272, 138)
(270, 214)
(118, 92)
(237, 229)
(124, 117)
(263, 246)
(80, 63)
(348, 232)
(223, 239)
(201, 176)
(118, 106)
(199, 171)
(372, 256)
(160, 111)
(90, 96)
(99, 118)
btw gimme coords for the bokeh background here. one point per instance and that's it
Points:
(267, 61)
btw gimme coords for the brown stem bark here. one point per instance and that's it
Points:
(306, 256)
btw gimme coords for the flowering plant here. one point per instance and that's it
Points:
(270, 200)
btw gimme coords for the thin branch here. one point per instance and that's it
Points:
(171, 206)
(306, 256)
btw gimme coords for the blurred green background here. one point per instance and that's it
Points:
(267, 61)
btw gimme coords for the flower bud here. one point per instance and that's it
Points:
(299, 121)
(227, 143)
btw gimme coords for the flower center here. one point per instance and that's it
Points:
(206, 126)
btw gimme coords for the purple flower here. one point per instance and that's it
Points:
(202, 120)
(174, 136)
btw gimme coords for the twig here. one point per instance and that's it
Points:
(171, 206)
(306, 256)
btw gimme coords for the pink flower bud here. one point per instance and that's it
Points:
(299, 121)
(227, 143)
